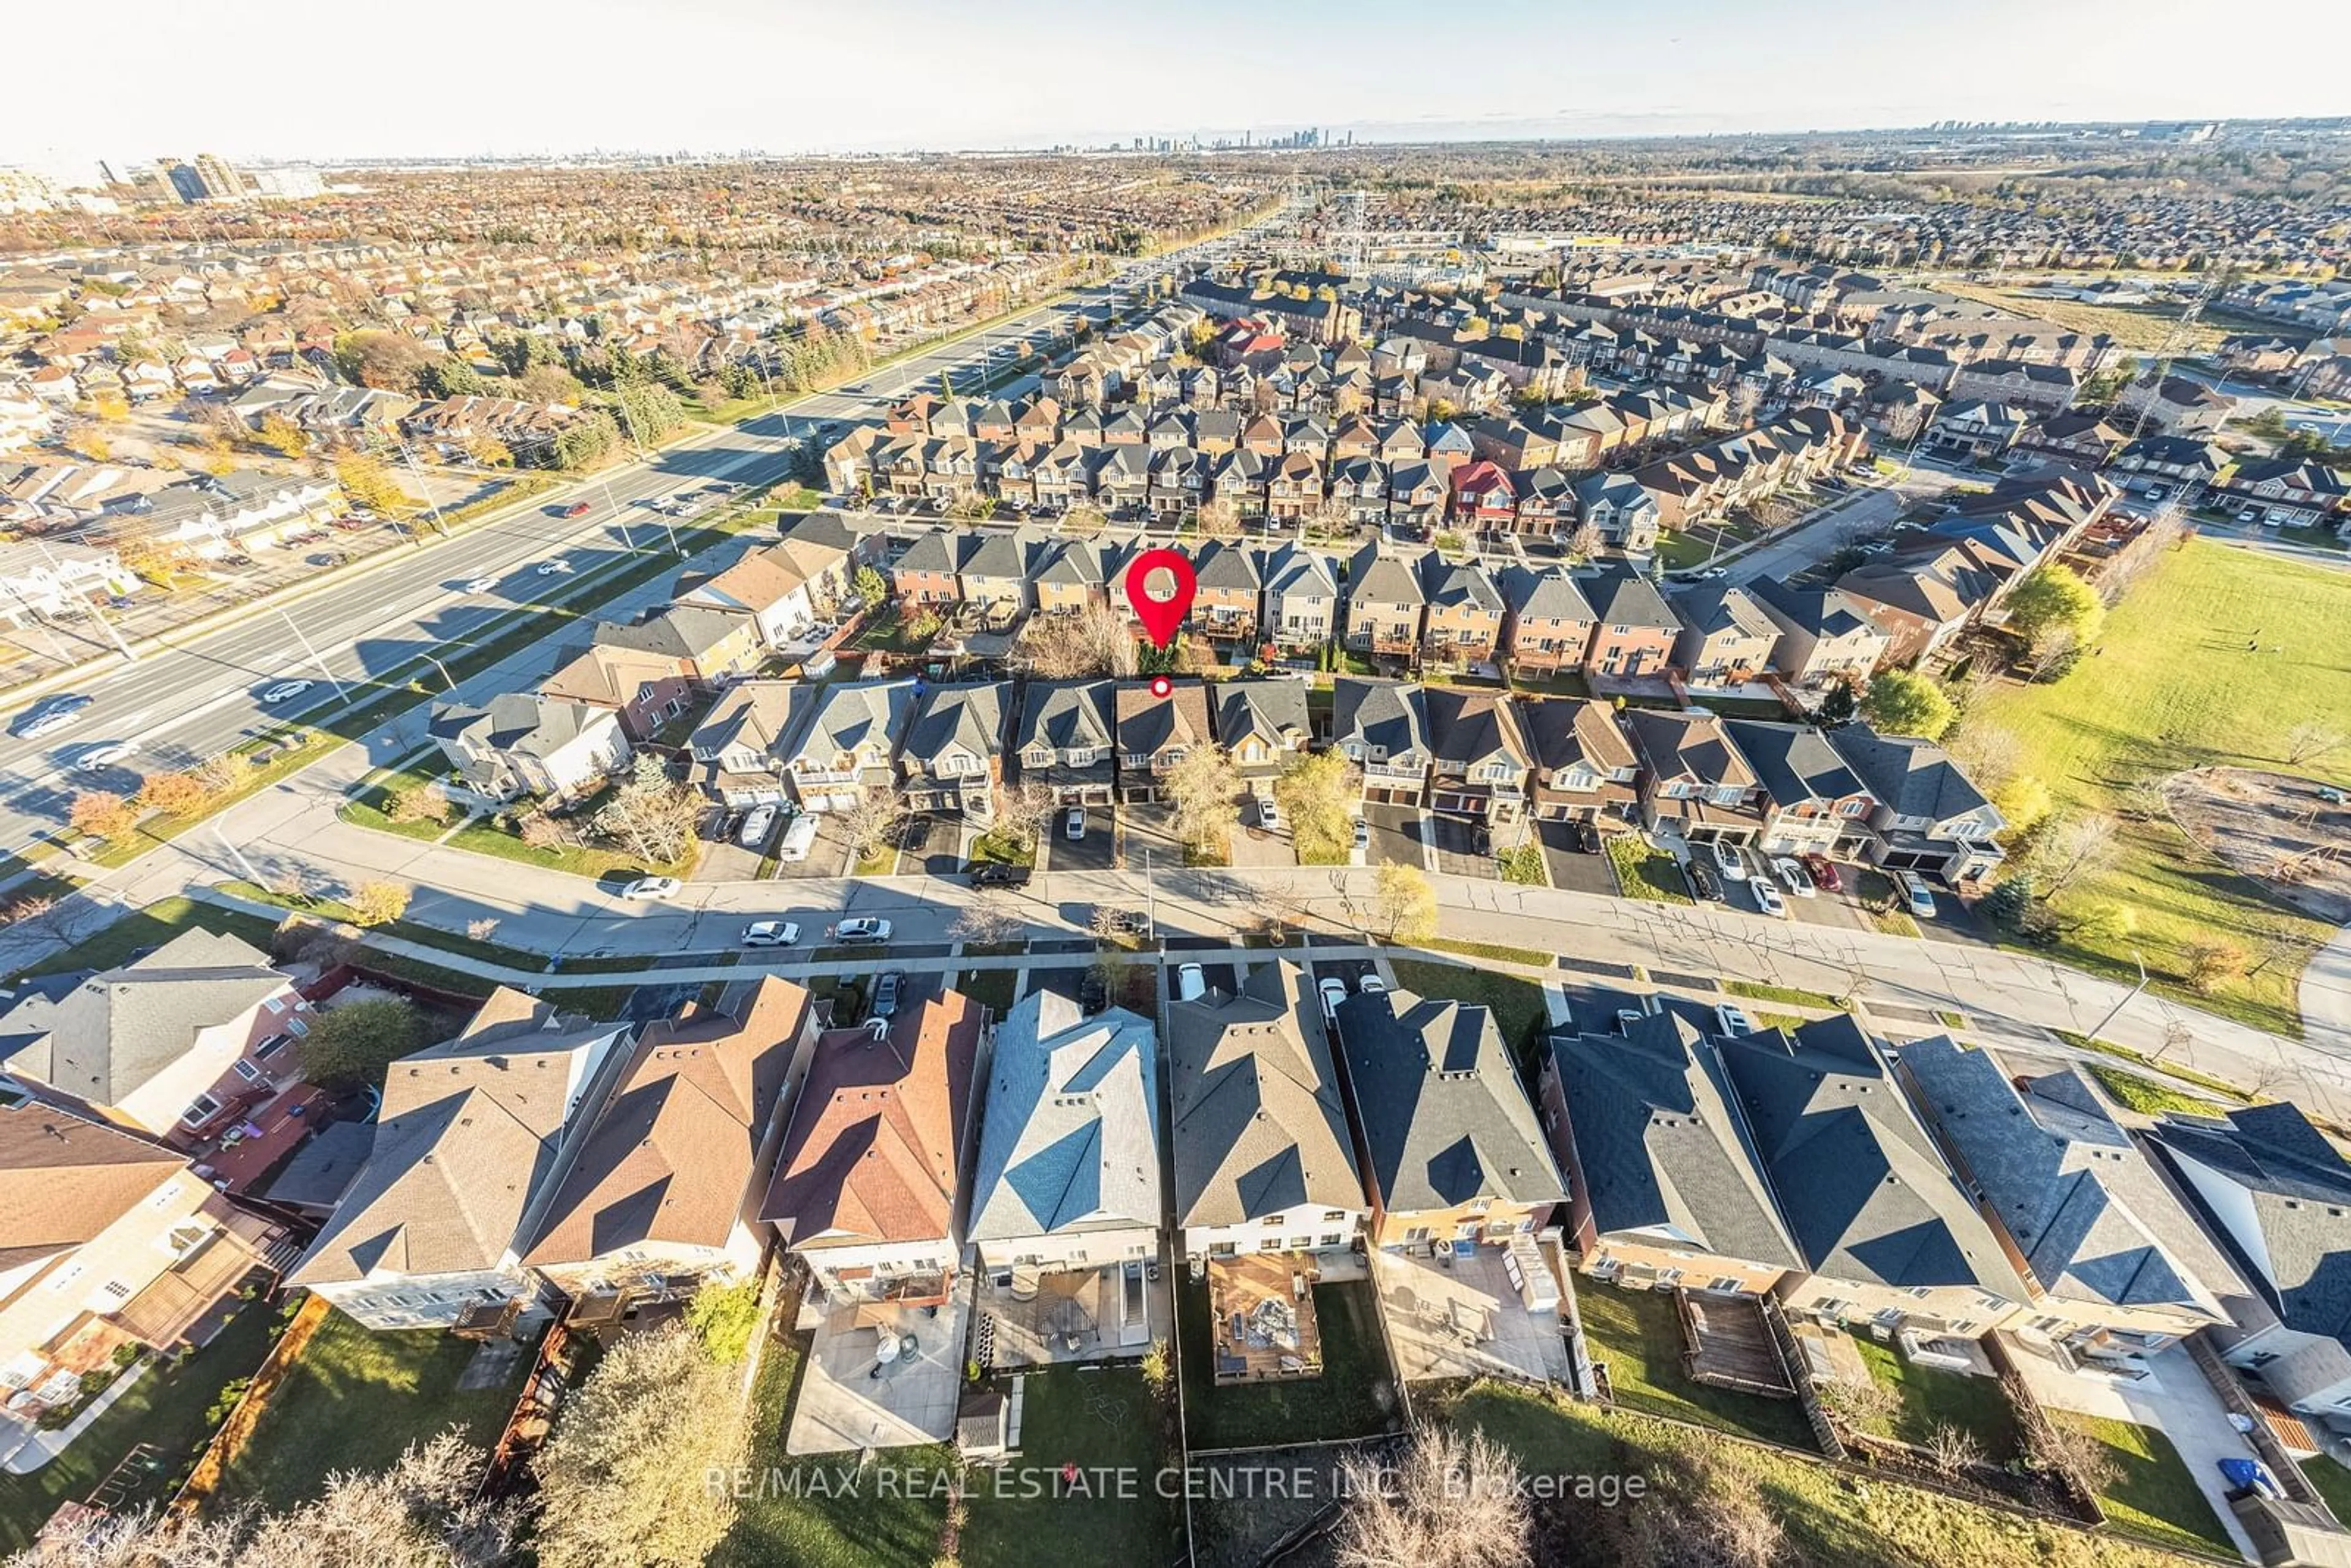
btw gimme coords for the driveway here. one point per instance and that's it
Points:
(931, 845)
(1571, 867)
(828, 857)
(1395, 833)
(1095, 852)
(1457, 852)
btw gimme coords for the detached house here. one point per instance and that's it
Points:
(1824, 637)
(1929, 816)
(174, 1044)
(869, 1190)
(1547, 623)
(1814, 801)
(643, 689)
(715, 644)
(475, 1138)
(1634, 628)
(846, 742)
(663, 1195)
(1448, 1147)
(951, 762)
(1384, 601)
(1462, 612)
(1228, 584)
(1726, 638)
(1068, 1178)
(766, 585)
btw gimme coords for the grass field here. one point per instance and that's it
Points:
(1644, 872)
(2142, 329)
(2173, 686)
(1354, 1397)
(353, 1401)
(1830, 1518)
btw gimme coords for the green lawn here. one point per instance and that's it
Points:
(1831, 1518)
(1092, 1417)
(152, 928)
(2157, 1499)
(2173, 686)
(990, 987)
(2146, 1096)
(842, 1520)
(1932, 1397)
(1789, 995)
(372, 805)
(1634, 1333)
(2332, 1481)
(353, 1401)
(1524, 864)
(487, 836)
(1644, 872)
(1520, 1012)
(164, 1410)
(1354, 1397)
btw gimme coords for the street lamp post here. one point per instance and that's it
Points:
(341, 695)
(2129, 996)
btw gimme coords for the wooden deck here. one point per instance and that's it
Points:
(1239, 1291)
(1726, 1342)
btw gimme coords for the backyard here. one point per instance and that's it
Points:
(1932, 1397)
(1829, 1520)
(1635, 1335)
(167, 1413)
(354, 1400)
(1095, 1419)
(2174, 685)
(1354, 1397)
(2156, 1498)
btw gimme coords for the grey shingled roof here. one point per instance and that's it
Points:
(2091, 1219)
(854, 714)
(1442, 1115)
(1913, 778)
(1376, 578)
(1661, 1153)
(1627, 599)
(1386, 715)
(1794, 762)
(523, 723)
(1066, 715)
(102, 1039)
(1543, 594)
(1859, 1183)
(1268, 708)
(2298, 1188)
(969, 716)
(1069, 1136)
(1260, 1127)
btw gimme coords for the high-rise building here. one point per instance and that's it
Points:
(292, 183)
(23, 190)
(208, 179)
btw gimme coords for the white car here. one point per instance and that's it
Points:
(106, 755)
(1191, 983)
(1728, 861)
(1371, 986)
(1732, 1020)
(553, 567)
(56, 716)
(1074, 827)
(1268, 815)
(756, 823)
(1768, 899)
(1794, 877)
(1363, 834)
(1334, 991)
(862, 929)
(284, 691)
(771, 934)
(480, 584)
(652, 887)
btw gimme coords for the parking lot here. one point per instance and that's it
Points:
(1570, 867)
(1096, 851)
(1395, 833)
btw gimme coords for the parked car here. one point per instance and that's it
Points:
(995, 874)
(1915, 894)
(1191, 983)
(1363, 834)
(1093, 992)
(798, 839)
(646, 887)
(2330, 794)
(887, 987)
(1702, 882)
(863, 928)
(1586, 835)
(1824, 872)
(1371, 986)
(284, 691)
(1726, 859)
(1768, 899)
(1793, 876)
(771, 934)
(577, 509)
(1268, 815)
(1732, 1020)
(754, 827)
(1074, 826)
(1332, 990)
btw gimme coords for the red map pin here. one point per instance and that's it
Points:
(1159, 585)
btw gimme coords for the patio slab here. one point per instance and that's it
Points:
(844, 1402)
(1076, 1315)
(1465, 1320)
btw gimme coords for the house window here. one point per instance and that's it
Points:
(1418, 1233)
(248, 1072)
(200, 1110)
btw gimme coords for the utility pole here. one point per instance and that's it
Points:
(2130, 996)
(96, 609)
(340, 693)
(251, 875)
(409, 454)
(1150, 897)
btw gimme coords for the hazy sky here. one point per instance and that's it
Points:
(333, 78)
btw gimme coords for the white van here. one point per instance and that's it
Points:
(798, 839)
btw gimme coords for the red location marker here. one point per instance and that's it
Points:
(1159, 586)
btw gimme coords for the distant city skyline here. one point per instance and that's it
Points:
(533, 78)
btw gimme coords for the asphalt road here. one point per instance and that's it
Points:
(202, 695)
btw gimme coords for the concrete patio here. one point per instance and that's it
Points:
(1466, 1321)
(844, 1404)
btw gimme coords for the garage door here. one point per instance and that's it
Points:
(841, 800)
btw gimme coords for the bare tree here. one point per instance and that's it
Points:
(651, 813)
(1860, 1401)
(1728, 1516)
(1990, 755)
(1450, 1501)
(482, 930)
(1203, 790)
(1951, 1451)
(2311, 740)
(2076, 1454)
(987, 921)
(1217, 519)
(1025, 808)
(1088, 643)
(2072, 847)
(868, 824)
